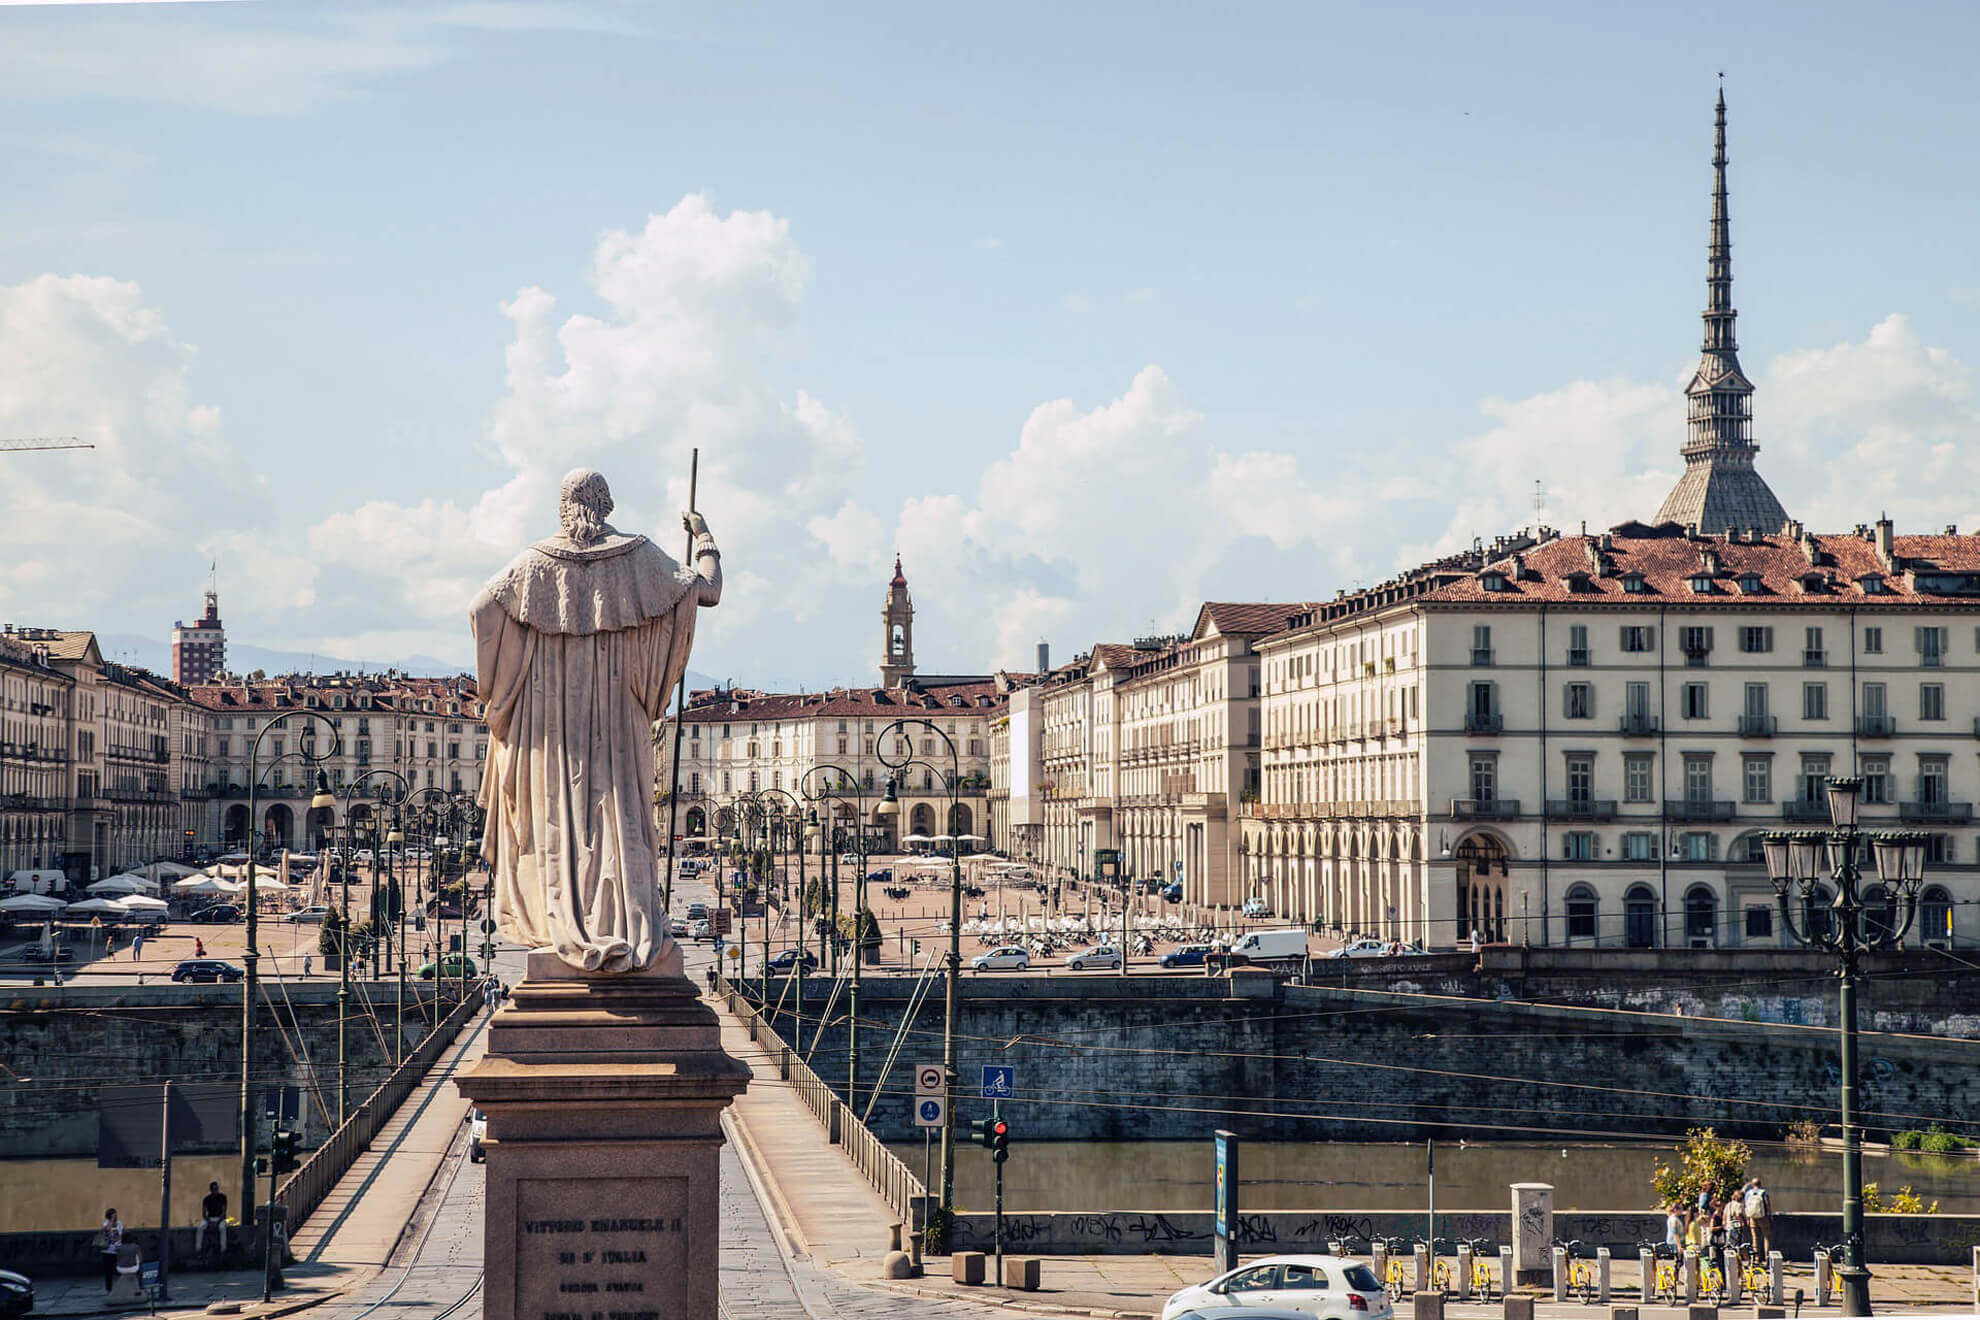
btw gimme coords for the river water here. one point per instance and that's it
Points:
(1176, 1175)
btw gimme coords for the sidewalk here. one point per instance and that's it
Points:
(345, 1242)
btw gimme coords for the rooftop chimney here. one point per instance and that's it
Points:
(1886, 545)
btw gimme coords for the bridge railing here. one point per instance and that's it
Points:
(305, 1189)
(903, 1192)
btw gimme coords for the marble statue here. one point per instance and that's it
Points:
(578, 645)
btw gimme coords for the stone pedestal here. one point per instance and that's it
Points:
(604, 1097)
(1532, 1233)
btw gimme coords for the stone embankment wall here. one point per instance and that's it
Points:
(1109, 1058)
(1889, 1239)
(62, 1044)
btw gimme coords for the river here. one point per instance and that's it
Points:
(1176, 1175)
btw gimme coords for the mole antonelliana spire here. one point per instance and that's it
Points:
(1720, 491)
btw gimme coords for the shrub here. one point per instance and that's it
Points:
(1913, 1140)
(1943, 1143)
(1804, 1132)
(1704, 1158)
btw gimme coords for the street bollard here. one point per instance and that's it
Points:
(1560, 1274)
(1976, 1278)
(1426, 1306)
(1646, 1261)
(1464, 1270)
(1777, 1294)
(1623, 1313)
(1690, 1277)
(1516, 1308)
(1422, 1263)
(1823, 1266)
(1602, 1275)
(1505, 1272)
(1735, 1279)
(1378, 1258)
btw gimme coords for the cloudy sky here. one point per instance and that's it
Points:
(1090, 311)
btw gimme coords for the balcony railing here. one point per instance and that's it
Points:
(1481, 655)
(1928, 813)
(1496, 808)
(1801, 809)
(1638, 725)
(1579, 808)
(1578, 657)
(1758, 726)
(1814, 659)
(1478, 722)
(1698, 809)
(1875, 726)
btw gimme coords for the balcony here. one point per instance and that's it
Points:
(1814, 659)
(1805, 812)
(1698, 809)
(1758, 726)
(1481, 656)
(1935, 813)
(1484, 808)
(1479, 722)
(1581, 808)
(1578, 657)
(31, 802)
(1875, 726)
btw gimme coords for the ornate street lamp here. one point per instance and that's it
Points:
(1847, 927)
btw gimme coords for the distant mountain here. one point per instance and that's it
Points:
(149, 653)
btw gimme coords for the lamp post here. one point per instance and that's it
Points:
(382, 839)
(790, 832)
(1795, 862)
(952, 987)
(251, 956)
(846, 788)
(749, 817)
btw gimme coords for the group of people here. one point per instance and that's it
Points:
(1741, 1220)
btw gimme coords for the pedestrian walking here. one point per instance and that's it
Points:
(1760, 1217)
(1734, 1219)
(1673, 1228)
(306, 964)
(109, 1241)
(199, 948)
(137, 947)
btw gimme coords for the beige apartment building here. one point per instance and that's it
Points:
(37, 702)
(1581, 740)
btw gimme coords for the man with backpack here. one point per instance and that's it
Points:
(1759, 1217)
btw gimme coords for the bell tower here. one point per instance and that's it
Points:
(897, 645)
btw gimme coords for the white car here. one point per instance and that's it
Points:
(701, 930)
(477, 1133)
(310, 915)
(1255, 907)
(1330, 1287)
(1101, 957)
(1007, 959)
(1362, 949)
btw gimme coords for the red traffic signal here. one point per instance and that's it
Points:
(1000, 1141)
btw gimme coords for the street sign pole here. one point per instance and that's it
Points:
(996, 1115)
(1223, 1244)
(164, 1189)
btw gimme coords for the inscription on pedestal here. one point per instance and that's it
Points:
(601, 1248)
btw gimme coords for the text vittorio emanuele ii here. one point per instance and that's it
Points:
(605, 1256)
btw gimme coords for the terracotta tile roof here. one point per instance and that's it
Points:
(718, 706)
(1745, 572)
(388, 694)
(1248, 617)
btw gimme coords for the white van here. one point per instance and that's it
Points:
(1264, 946)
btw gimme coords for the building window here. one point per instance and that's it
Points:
(1484, 778)
(1580, 778)
(1696, 705)
(1931, 646)
(1759, 923)
(1696, 643)
(1581, 913)
(1756, 639)
(1637, 639)
(1932, 780)
(1756, 701)
(1635, 584)
(1813, 655)
(1578, 846)
(1814, 780)
(1481, 644)
(1757, 778)
(1579, 700)
(1697, 777)
(1639, 847)
(1931, 701)
(1814, 701)
(1639, 779)
(1877, 780)
(1873, 641)
(1578, 644)
(1874, 707)
(1700, 846)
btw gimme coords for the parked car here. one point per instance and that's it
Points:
(1173, 894)
(219, 914)
(312, 915)
(452, 967)
(1264, 947)
(1010, 958)
(697, 912)
(677, 928)
(701, 928)
(477, 1133)
(206, 969)
(1255, 907)
(1327, 1287)
(1363, 949)
(1186, 955)
(785, 961)
(16, 1293)
(1099, 958)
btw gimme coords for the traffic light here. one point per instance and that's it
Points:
(979, 1131)
(1000, 1140)
(284, 1148)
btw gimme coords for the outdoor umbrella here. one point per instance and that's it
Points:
(97, 907)
(144, 903)
(118, 885)
(169, 870)
(204, 884)
(917, 838)
(31, 903)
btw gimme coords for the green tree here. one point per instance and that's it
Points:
(330, 940)
(1705, 1159)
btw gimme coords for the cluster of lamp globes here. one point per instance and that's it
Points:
(1797, 860)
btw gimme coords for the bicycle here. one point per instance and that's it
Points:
(1395, 1278)
(1753, 1276)
(1665, 1279)
(1580, 1273)
(1481, 1269)
(1836, 1254)
(1440, 1266)
(1711, 1281)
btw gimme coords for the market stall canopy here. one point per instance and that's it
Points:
(35, 903)
(205, 884)
(97, 907)
(144, 903)
(123, 884)
(170, 870)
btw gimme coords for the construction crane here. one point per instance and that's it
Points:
(43, 442)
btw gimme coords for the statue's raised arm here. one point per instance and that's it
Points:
(579, 643)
